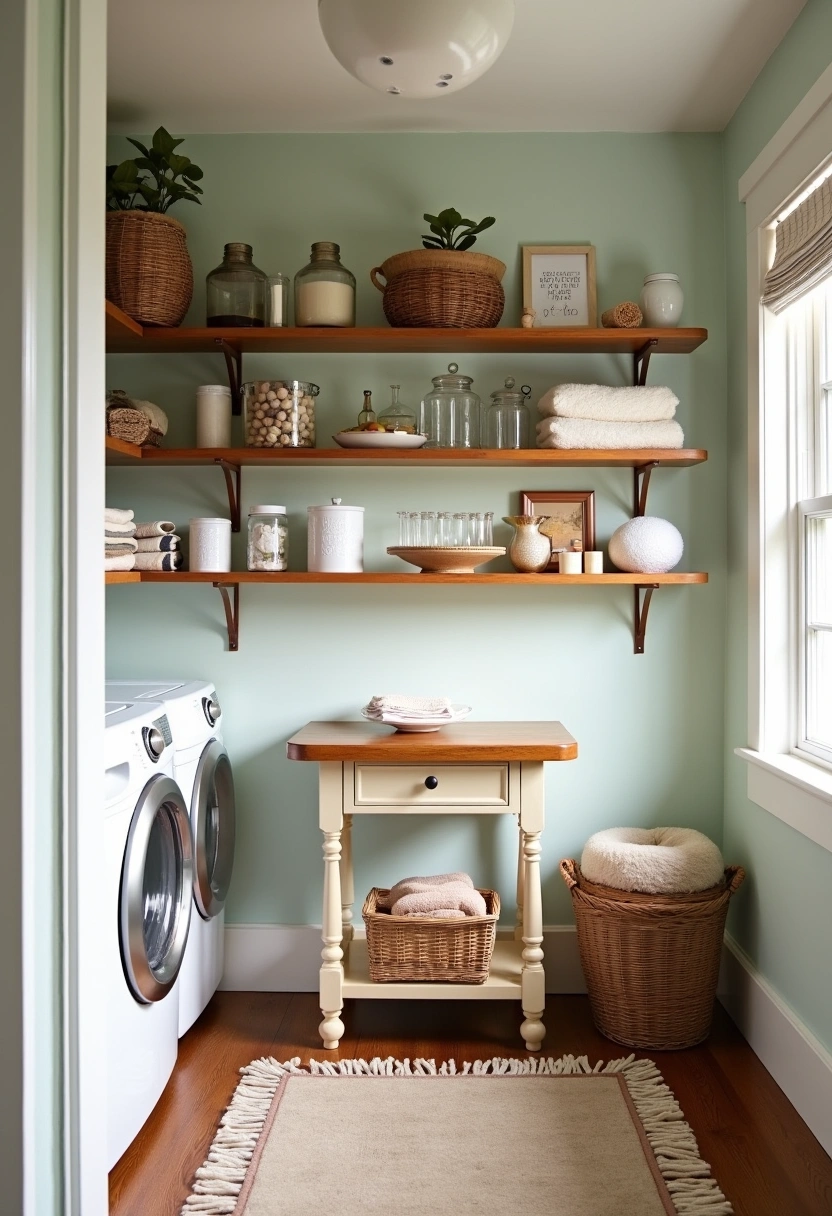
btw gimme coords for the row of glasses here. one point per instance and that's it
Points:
(446, 529)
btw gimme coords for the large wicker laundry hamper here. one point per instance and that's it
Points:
(651, 962)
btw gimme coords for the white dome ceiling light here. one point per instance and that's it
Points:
(416, 48)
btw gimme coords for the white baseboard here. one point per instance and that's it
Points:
(286, 958)
(799, 1062)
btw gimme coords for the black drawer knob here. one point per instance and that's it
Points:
(431, 782)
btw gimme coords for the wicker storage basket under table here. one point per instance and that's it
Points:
(650, 962)
(407, 948)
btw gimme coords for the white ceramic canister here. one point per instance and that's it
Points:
(209, 545)
(661, 301)
(213, 416)
(335, 539)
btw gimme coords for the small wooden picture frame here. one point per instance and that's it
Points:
(559, 284)
(570, 520)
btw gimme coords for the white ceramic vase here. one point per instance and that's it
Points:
(662, 300)
(529, 551)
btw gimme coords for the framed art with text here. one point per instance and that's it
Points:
(559, 285)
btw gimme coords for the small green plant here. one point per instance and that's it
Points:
(171, 177)
(445, 226)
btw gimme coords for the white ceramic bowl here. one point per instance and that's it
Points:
(379, 439)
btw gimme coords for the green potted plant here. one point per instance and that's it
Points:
(148, 270)
(443, 284)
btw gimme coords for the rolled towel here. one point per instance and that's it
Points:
(119, 530)
(115, 515)
(158, 561)
(409, 886)
(405, 706)
(128, 545)
(603, 403)
(451, 895)
(159, 544)
(584, 433)
(622, 316)
(125, 562)
(158, 527)
(133, 426)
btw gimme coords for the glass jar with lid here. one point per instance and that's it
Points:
(236, 290)
(279, 413)
(268, 538)
(507, 422)
(397, 416)
(324, 289)
(450, 415)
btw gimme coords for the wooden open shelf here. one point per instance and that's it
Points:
(502, 984)
(417, 579)
(112, 577)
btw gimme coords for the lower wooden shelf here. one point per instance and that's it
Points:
(237, 577)
(503, 983)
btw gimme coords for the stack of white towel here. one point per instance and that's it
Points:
(436, 897)
(399, 707)
(139, 546)
(598, 416)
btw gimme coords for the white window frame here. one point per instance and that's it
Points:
(809, 508)
(797, 790)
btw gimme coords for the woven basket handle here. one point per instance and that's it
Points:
(374, 273)
(568, 869)
(734, 878)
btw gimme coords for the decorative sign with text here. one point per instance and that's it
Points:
(559, 284)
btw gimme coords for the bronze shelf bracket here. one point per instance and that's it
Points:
(640, 613)
(641, 362)
(232, 612)
(234, 368)
(641, 484)
(232, 485)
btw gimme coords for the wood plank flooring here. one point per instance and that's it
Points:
(766, 1160)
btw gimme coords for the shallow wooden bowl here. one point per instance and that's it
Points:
(462, 559)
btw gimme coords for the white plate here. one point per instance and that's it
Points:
(425, 725)
(379, 439)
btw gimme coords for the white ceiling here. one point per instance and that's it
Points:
(587, 65)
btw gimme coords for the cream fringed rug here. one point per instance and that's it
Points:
(391, 1138)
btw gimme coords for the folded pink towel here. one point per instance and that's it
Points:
(451, 895)
(409, 886)
(439, 914)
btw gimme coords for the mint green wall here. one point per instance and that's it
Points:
(781, 916)
(650, 728)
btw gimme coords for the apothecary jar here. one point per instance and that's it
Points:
(268, 538)
(324, 289)
(450, 415)
(236, 290)
(507, 422)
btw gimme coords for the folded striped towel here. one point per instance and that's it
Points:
(158, 561)
(603, 403)
(402, 706)
(125, 562)
(114, 515)
(116, 548)
(119, 530)
(159, 544)
(157, 528)
(586, 433)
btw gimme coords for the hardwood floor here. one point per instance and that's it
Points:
(766, 1160)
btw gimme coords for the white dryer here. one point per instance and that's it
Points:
(203, 770)
(147, 899)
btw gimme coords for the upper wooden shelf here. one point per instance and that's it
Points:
(125, 336)
(413, 578)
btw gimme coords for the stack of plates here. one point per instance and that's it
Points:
(420, 725)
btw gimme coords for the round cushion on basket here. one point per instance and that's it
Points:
(656, 861)
(646, 544)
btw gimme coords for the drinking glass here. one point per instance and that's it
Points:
(479, 530)
(443, 528)
(403, 527)
(459, 529)
(488, 531)
(428, 524)
(415, 531)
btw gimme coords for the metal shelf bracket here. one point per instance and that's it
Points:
(640, 613)
(232, 612)
(232, 485)
(234, 368)
(641, 484)
(641, 362)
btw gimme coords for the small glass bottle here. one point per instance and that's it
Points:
(277, 301)
(397, 417)
(324, 289)
(268, 538)
(367, 414)
(507, 421)
(236, 290)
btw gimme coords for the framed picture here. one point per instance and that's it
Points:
(559, 284)
(570, 519)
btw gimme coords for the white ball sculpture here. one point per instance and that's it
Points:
(646, 545)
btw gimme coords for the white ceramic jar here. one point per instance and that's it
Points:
(209, 545)
(661, 301)
(335, 543)
(213, 416)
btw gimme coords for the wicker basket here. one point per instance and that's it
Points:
(149, 272)
(650, 962)
(408, 948)
(448, 289)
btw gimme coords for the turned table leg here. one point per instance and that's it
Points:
(533, 979)
(521, 884)
(347, 886)
(332, 971)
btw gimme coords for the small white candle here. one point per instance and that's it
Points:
(570, 563)
(594, 562)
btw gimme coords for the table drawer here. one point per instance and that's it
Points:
(461, 785)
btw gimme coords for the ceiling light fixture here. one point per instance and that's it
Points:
(427, 48)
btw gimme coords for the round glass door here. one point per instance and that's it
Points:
(156, 890)
(214, 820)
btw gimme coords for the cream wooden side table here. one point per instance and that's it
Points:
(477, 768)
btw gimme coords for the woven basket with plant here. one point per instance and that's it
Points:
(148, 269)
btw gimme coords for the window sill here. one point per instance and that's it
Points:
(794, 790)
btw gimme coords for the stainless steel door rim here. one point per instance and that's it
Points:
(214, 822)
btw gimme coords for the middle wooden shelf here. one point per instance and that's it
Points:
(415, 579)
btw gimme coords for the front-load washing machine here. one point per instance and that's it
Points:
(202, 769)
(148, 895)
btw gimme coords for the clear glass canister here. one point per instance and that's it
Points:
(507, 423)
(450, 415)
(324, 289)
(236, 290)
(268, 538)
(280, 413)
(397, 416)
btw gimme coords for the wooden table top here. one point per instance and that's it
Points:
(463, 741)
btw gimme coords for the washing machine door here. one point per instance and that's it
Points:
(214, 823)
(156, 890)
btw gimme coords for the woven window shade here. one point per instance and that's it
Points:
(803, 250)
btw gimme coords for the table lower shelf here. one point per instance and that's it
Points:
(503, 983)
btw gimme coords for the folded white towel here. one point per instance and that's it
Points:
(601, 402)
(111, 529)
(159, 544)
(124, 544)
(586, 433)
(401, 705)
(158, 561)
(125, 562)
(158, 527)
(114, 515)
